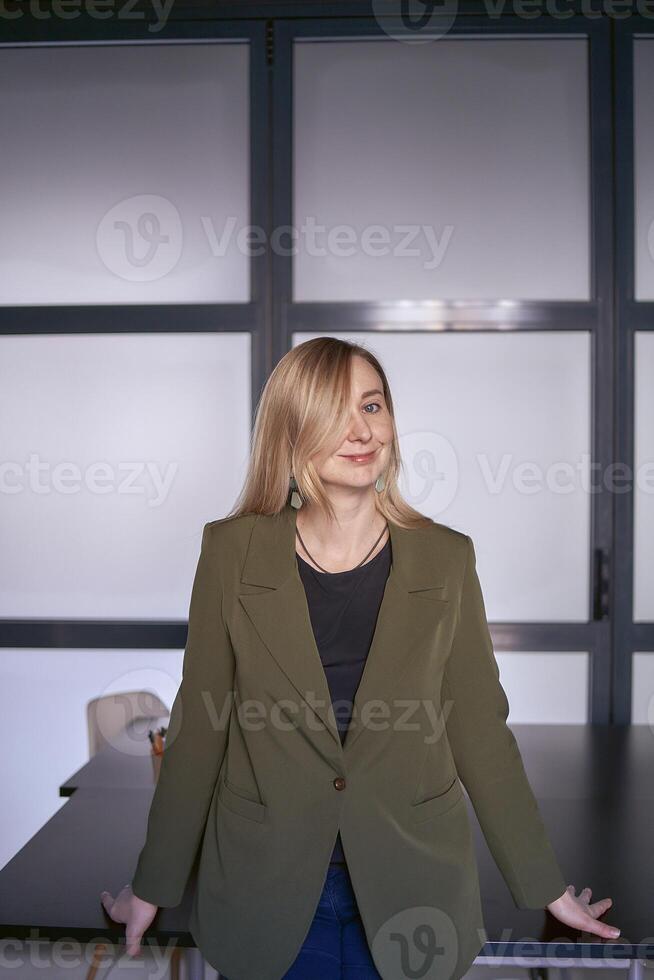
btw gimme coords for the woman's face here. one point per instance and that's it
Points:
(369, 434)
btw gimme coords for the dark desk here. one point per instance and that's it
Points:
(594, 784)
(595, 789)
(53, 883)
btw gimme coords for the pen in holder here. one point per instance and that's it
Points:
(158, 744)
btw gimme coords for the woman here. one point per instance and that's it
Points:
(332, 830)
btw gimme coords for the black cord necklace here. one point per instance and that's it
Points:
(384, 529)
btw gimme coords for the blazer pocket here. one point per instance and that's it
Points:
(438, 592)
(437, 805)
(241, 805)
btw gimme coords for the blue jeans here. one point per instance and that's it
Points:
(335, 947)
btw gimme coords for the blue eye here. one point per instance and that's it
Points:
(369, 405)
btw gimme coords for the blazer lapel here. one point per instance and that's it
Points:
(405, 624)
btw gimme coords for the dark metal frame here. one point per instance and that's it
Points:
(272, 317)
(631, 315)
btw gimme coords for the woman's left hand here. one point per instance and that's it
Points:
(575, 910)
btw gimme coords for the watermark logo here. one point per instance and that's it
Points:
(432, 470)
(418, 943)
(140, 239)
(415, 21)
(126, 709)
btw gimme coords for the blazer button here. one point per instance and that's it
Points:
(339, 783)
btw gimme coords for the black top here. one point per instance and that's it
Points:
(343, 607)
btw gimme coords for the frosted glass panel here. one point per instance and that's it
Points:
(116, 450)
(47, 691)
(130, 187)
(495, 438)
(642, 689)
(644, 166)
(451, 170)
(644, 477)
(545, 688)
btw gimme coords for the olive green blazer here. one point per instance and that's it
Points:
(255, 782)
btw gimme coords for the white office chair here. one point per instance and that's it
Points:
(109, 715)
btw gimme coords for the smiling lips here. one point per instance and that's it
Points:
(361, 459)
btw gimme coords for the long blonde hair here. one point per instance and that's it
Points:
(309, 385)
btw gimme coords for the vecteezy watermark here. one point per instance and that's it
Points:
(421, 715)
(121, 10)
(424, 717)
(43, 955)
(140, 239)
(340, 241)
(143, 478)
(421, 21)
(530, 477)
(431, 470)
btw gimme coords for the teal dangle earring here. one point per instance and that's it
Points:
(296, 499)
(379, 484)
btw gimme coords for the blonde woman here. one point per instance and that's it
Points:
(339, 691)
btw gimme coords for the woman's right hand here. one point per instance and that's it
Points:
(135, 912)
